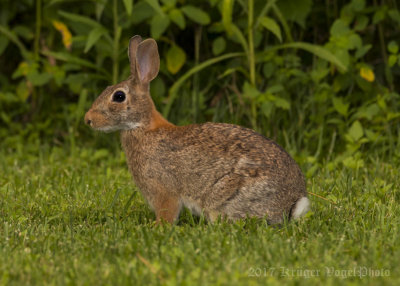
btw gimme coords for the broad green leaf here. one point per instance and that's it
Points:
(382, 103)
(269, 69)
(392, 60)
(276, 88)
(250, 91)
(79, 19)
(218, 46)
(176, 57)
(156, 6)
(356, 131)
(358, 5)
(214, 2)
(158, 90)
(169, 3)
(158, 25)
(272, 26)
(141, 11)
(343, 56)
(372, 136)
(296, 11)
(392, 115)
(238, 35)
(368, 112)
(76, 81)
(93, 37)
(319, 51)
(355, 42)
(5, 118)
(339, 28)
(58, 73)
(39, 79)
(317, 74)
(99, 8)
(25, 68)
(361, 23)
(195, 14)
(3, 44)
(177, 17)
(24, 32)
(23, 90)
(395, 15)
(379, 15)
(73, 60)
(227, 8)
(340, 106)
(282, 103)
(362, 51)
(266, 108)
(393, 47)
(372, 111)
(128, 6)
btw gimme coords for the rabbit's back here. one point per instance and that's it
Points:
(216, 167)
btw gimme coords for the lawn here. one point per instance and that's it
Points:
(77, 218)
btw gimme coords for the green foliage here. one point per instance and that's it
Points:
(77, 219)
(309, 74)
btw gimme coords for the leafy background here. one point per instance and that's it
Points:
(317, 76)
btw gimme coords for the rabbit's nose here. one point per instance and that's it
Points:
(88, 121)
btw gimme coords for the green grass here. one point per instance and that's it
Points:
(78, 219)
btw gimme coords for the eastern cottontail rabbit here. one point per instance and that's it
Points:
(211, 168)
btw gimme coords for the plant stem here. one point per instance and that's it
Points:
(251, 43)
(34, 100)
(38, 26)
(117, 34)
(388, 72)
(252, 62)
(195, 92)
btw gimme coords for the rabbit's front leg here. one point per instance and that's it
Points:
(166, 207)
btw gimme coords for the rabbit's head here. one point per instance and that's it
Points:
(128, 105)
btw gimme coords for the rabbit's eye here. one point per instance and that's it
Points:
(119, 96)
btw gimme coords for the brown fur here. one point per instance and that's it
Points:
(214, 168)
(157, 121)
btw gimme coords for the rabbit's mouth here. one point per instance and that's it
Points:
(108, 129)
(101, 121)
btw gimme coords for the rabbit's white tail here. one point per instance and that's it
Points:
(301, 207)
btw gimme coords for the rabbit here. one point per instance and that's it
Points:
(214, 169)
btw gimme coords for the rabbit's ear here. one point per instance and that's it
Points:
(147, 61)
(133, 44)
